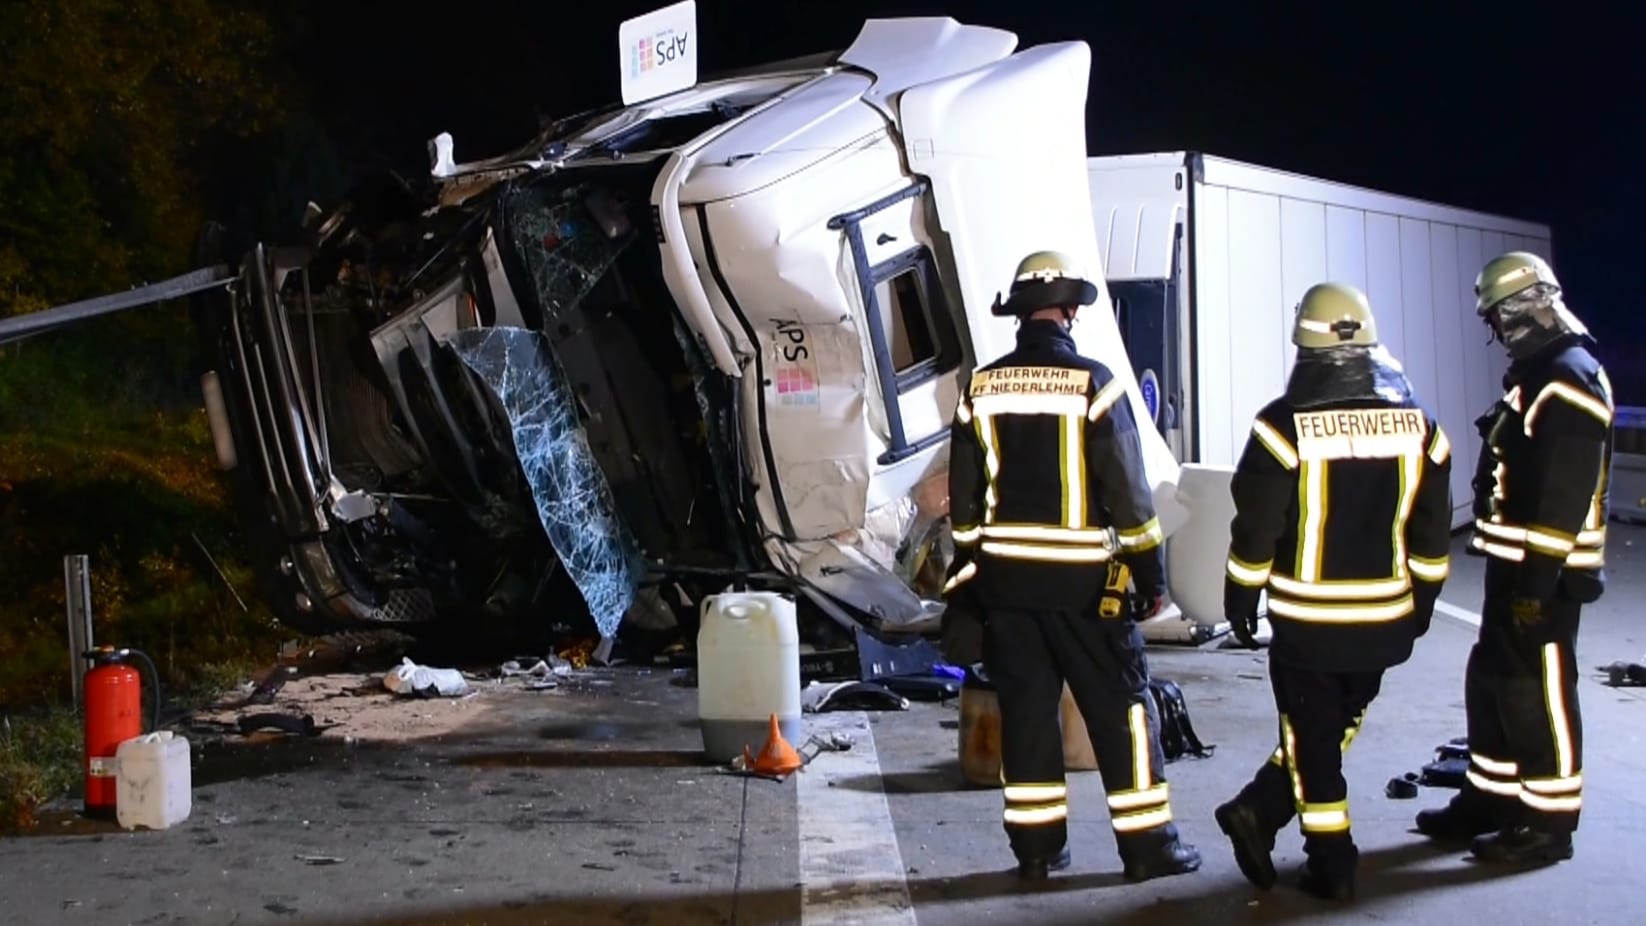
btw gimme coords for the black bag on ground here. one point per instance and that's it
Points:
(1177, 736)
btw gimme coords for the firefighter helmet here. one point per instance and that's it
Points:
(1510, 273)
(1046, 279)
(1518, 296)
(1334, 315)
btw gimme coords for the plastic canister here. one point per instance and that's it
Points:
(980, 735)
(748, 668)
(153, 783)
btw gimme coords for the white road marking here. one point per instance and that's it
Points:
(851, 870)
(1452, 610)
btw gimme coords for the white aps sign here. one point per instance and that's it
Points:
(659, 52)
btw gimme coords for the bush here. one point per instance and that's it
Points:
(115, 460)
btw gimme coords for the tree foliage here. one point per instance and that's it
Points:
(118, 122)
(111, 114)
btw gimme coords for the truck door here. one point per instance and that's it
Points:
(1146, 311)
(915, 345)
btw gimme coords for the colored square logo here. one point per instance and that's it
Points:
(795, 386)
(642, 58)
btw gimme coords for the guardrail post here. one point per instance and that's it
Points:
(77, 596)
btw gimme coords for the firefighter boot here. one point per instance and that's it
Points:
(1252, 842)
(1157, 853)
(1329, 872)
(1036, 869)
(1467, 815)
(1523, 845)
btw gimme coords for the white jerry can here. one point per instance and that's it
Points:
(748, 668)
(153, 781)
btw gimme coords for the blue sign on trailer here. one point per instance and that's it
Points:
(1149, 385)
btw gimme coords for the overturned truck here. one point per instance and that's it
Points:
(711, 336)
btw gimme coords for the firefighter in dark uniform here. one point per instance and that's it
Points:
(1054, 525)
(1343, 515)
(1540, 520)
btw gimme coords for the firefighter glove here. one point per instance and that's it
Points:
(1423, 611)
(1245, 628)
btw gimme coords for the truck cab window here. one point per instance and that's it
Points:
(906, 318)
(912, 321)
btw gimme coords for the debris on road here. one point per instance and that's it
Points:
(542, 675)
(1403, 788)
(1625, 674)
(351, 707)
(318, 859)
(835, 742)
(409, 678)
(585, 651)
(850, 696)
(326, 655)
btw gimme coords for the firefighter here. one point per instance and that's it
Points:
(1056, 538)
(1343, 515)
(1540, 521)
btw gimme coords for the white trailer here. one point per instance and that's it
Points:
(1231, 246)
(1205, 260)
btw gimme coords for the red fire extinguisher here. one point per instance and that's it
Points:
(114, 714)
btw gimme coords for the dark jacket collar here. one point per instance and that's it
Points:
(1524, 368)
(1044, 333)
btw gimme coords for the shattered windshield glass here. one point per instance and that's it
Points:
(566, 239)
(574, 501)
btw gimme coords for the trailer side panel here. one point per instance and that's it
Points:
(1263, 236)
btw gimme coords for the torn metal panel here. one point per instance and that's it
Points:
(505, 306)
(574, 501)
(846, 574)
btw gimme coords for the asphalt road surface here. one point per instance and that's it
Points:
(590, 803)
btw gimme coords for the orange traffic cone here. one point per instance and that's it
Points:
(776, 758)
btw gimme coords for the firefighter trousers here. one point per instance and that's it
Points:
(1320, 714)
(1524, 726)
(1029, 654)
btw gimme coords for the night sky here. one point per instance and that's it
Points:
(1500, 110)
